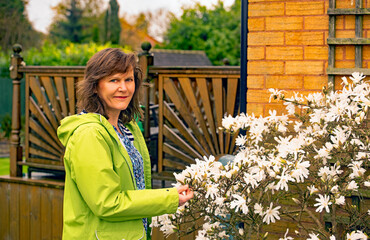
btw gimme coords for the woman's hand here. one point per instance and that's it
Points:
(185, 194)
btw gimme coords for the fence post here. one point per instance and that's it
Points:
(15, 147)
(146, 60)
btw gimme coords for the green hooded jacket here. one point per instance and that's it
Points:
(100, 196)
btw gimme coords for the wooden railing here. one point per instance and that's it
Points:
(191, 104)
(50, 96)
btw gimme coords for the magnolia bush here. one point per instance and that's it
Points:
(309, 167)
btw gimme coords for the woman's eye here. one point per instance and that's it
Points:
(113, 80)
(129, 79)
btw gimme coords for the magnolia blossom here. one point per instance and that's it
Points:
(239, 203)
(356, 235)
(285, 236)
(313, 236)
(275, 156)
(322, 202)
(271, 214)
(340, 200)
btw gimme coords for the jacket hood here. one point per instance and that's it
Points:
(70, 124)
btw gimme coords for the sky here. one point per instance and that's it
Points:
(41, 14)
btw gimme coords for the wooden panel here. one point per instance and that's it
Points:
(24, 223)
(180, 104)
(35, 213)
(57, 213)
(70, 81)
(46, 214)
(180, 126)
(30, 209)
(177, 153)
(204, 93)
(217, 91)
(62, 95)
(42, 101)
(194, 104)
(47, 83)
(176, 139)
(14, 211)
(4, 210)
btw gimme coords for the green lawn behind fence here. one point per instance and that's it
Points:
(4, 167)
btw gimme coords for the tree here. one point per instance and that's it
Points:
(15, 26)
(112, 23)
(77, 21)
(68, 26)
(216, 31)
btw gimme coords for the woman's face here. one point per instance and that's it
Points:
(116, 91)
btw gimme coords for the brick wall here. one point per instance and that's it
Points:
(287, 48)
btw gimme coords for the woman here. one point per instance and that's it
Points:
(107, 191)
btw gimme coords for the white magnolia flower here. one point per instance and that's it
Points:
(284, 179)
(313, 236)
(312, 189)
(356, 235)
(352, 186)
(285, 236)
(271, 214)
(332, 237)
(258, 209)
(219, 201)
(340, 200)
(367, 183)
(322, 202)
(239, 203)
(357, 77)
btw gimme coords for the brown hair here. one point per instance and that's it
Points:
(105, 63)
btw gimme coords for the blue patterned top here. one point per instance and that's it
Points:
(127, 140)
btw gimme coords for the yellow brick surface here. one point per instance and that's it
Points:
(345, 33)
(345, 64)
(305, 38)
(366, 52)
(284, 82)
(266, 9)
(265, 67)
(259, 96)
(304, 67)
(349, 53)
(339, 52)
(339, 22)
(314, 82)
(255, 108)
(284, 23)
(279, 108)
(316, 53)
(284, 53)
(366, 22)
(254, 81)
(316, 23)
(349, 22)
(265, 38)
(305, 8)
(256, 24)
(345, 4)
(256, 53)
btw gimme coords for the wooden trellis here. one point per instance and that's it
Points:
(358, 41)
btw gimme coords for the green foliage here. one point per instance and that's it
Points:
(5, 126)
(112, 23)
(77, 21)
(15, 26)
(216, 31)
(69, 28)
(65, 53)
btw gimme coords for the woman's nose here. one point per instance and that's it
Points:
(122, 86)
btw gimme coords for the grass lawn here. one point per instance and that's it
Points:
(4, 167)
